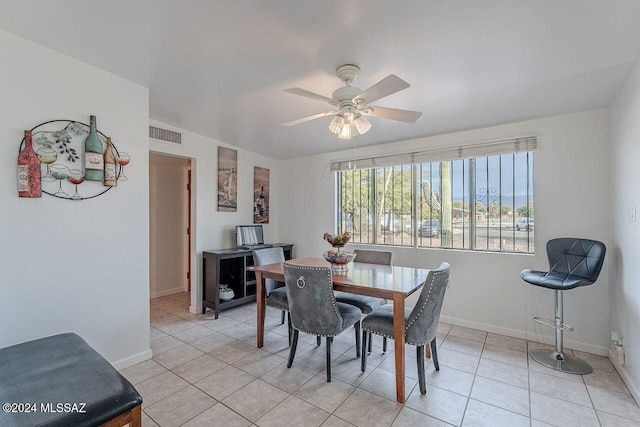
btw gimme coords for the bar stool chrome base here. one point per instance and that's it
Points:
(561, 362)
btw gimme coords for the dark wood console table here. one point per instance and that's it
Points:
(229, 266)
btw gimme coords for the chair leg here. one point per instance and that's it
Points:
(356, 328)
(292, 349)
(369, 348)
(329, 341)
(434, 355)
(421, 380)
(290, 328)
(363, 363)
(318, 340)
(282, 318)
(384, 344)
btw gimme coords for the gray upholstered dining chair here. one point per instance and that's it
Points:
(421, 322)
(365, 303)
(276, 293)
(573, 262)
(314, 310)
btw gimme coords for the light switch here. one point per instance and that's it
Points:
(632, 213)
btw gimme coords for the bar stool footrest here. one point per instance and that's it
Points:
(552, 324)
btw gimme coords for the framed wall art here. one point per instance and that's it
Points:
(260, 195)
(227, 180)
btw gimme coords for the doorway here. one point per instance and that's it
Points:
(169, 225)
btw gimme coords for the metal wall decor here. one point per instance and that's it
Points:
(59, 145)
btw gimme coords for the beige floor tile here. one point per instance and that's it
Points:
(502, 395)
(143, 371)
(223, 383)
(479, 414)
(410, 363)
(511, 343)
(455, 359)
(288, 379)
(508, 374)
(217, 416)
(156, 334)
(609, 380)
(199, 368)
(162, 345)
(560, 412)
(259, 362)
(293, 412)
(334, 421)
(192, 334)
(438, 403)
(255, 399)
(609, 420)
(220, 324)
(362, 408)
(444, 328)
(614, 403)
(147, 421)
(233, 351)
(559, 388)
(450, 379)
(412, 418)
(177, 326)
(505, 355)
(211, 342)
(159, 387)
(240, 331)
(383, 383)
(348, 369)
(324, 395)
(178, 356)
(468, 333)
(180, 407)
(462, 345)
(314, 357)
(596, 361)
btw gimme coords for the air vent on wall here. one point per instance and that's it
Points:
(165, 135)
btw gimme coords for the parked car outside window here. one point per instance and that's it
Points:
(524, 224)
(429, 228)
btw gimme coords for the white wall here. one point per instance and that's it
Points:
(168, 223)
(625, 235)
(571, 187)
(213, 229)
(74, 266)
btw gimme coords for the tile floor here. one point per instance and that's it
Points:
(208, 372)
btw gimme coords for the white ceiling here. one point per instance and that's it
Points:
(218, 67)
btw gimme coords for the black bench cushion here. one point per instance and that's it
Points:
(62, 369)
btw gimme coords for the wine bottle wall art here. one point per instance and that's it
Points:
(61, 149)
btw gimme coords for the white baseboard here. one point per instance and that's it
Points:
(633, 389)
(132, 360)
(164, 293)
(195, 310)
(515, 333)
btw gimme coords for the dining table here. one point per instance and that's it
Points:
(391, 282)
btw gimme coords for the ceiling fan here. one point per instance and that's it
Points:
(351, 104)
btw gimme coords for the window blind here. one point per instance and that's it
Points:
(440, 154)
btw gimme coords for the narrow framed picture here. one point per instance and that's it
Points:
(260, 195)
(227, 180)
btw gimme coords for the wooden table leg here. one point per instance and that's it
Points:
(427, 351)
(260, 298)
(398, 341)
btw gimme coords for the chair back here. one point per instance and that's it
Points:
(576, 257)
(265, 257)
(373, 257)
(422, 324)
(312, 305)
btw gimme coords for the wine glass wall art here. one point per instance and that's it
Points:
(60, 147)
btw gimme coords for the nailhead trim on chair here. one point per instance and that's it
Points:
(333, 300)
(424, 305)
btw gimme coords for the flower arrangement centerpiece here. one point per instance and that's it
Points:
(338, 258)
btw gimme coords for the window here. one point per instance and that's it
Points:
(450, 198)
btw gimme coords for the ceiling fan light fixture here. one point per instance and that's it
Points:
(362, 125)
(345, 133)
(336, 124)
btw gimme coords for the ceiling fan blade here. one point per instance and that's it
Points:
(406, 116)
(307, 94)
(385, 87)
(307, 118)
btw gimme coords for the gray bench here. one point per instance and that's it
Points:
(62, 381)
